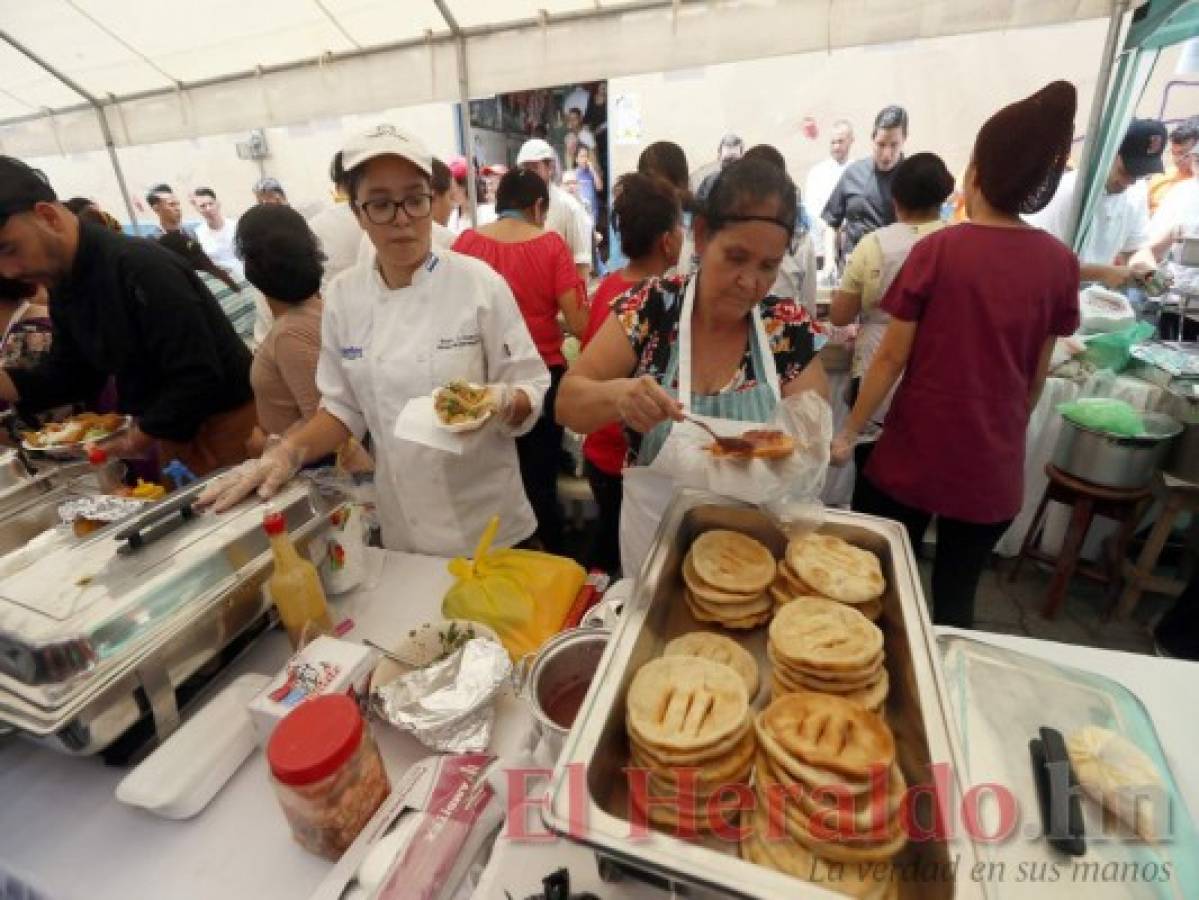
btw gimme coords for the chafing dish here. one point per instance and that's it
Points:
(917, 711)
(96, 634)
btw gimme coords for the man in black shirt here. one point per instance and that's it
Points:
(125, 307)
(861, 201)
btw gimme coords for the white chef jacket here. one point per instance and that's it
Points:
(817, 188)
(382, 347)
(567, 217)
(1121, 222)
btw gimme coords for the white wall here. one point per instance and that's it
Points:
(949, 86)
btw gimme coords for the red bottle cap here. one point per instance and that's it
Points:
(96, 455)
(315, 739)
(274, 523)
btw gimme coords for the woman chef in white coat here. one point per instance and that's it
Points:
(396, 326)
(712, 344)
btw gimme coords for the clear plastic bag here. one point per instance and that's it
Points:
(796, 480)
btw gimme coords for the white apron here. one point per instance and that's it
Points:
(649, 486)
(896, 242)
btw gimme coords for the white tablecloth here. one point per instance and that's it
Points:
(62, 829)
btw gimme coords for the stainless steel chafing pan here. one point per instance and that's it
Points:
(160, 613)
(917, 711)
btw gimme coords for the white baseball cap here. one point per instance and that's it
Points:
(386, 140)
(535, 150)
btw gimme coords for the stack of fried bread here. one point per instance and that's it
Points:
(821, 565)
(726, 574)
(684, 712)
(821, 645)
(720, 649)
(828, 793)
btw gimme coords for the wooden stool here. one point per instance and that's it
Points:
(1086, 501)
(1181, 496)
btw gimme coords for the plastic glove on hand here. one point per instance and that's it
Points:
(511, 404)
(265, 475)
(842, 449)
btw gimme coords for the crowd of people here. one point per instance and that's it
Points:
(271, 343)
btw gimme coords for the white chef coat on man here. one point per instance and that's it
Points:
(380, 348)
(565, 215)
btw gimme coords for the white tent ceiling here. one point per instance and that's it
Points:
(169, 69)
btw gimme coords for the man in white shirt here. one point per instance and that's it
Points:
(216, 233)
(818, 186)
(1117, 250)
(565, 215)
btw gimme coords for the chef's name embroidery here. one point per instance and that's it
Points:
(351, 353)
(462, 340)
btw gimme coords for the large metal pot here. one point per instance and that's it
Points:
(1110, 460)
(1184, 458)
(556, 680)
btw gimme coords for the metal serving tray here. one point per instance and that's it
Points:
(168, 609)
(916, 711)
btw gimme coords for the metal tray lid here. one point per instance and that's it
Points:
(63, 617)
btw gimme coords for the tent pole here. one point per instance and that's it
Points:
(468, 136)
(1102, 82)
(95, 104)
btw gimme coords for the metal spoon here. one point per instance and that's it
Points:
(727, 444)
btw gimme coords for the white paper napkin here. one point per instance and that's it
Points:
(417, 423)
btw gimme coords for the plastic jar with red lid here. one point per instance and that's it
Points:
(327, 773)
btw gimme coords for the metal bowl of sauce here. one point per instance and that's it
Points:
(558, 678)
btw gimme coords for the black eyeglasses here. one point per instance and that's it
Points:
(383, 211)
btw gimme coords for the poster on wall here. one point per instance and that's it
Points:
(626, 119)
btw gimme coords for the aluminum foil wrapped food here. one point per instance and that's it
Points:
(101, 508)
(448, 706)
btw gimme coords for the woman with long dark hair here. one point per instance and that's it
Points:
(649, 220)
(974, 314)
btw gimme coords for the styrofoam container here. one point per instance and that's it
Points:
(325, 666)
(179, 779)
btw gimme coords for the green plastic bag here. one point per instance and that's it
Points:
(1114, 350)
(1104, 414)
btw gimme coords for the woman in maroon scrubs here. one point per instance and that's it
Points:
(975, 311)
